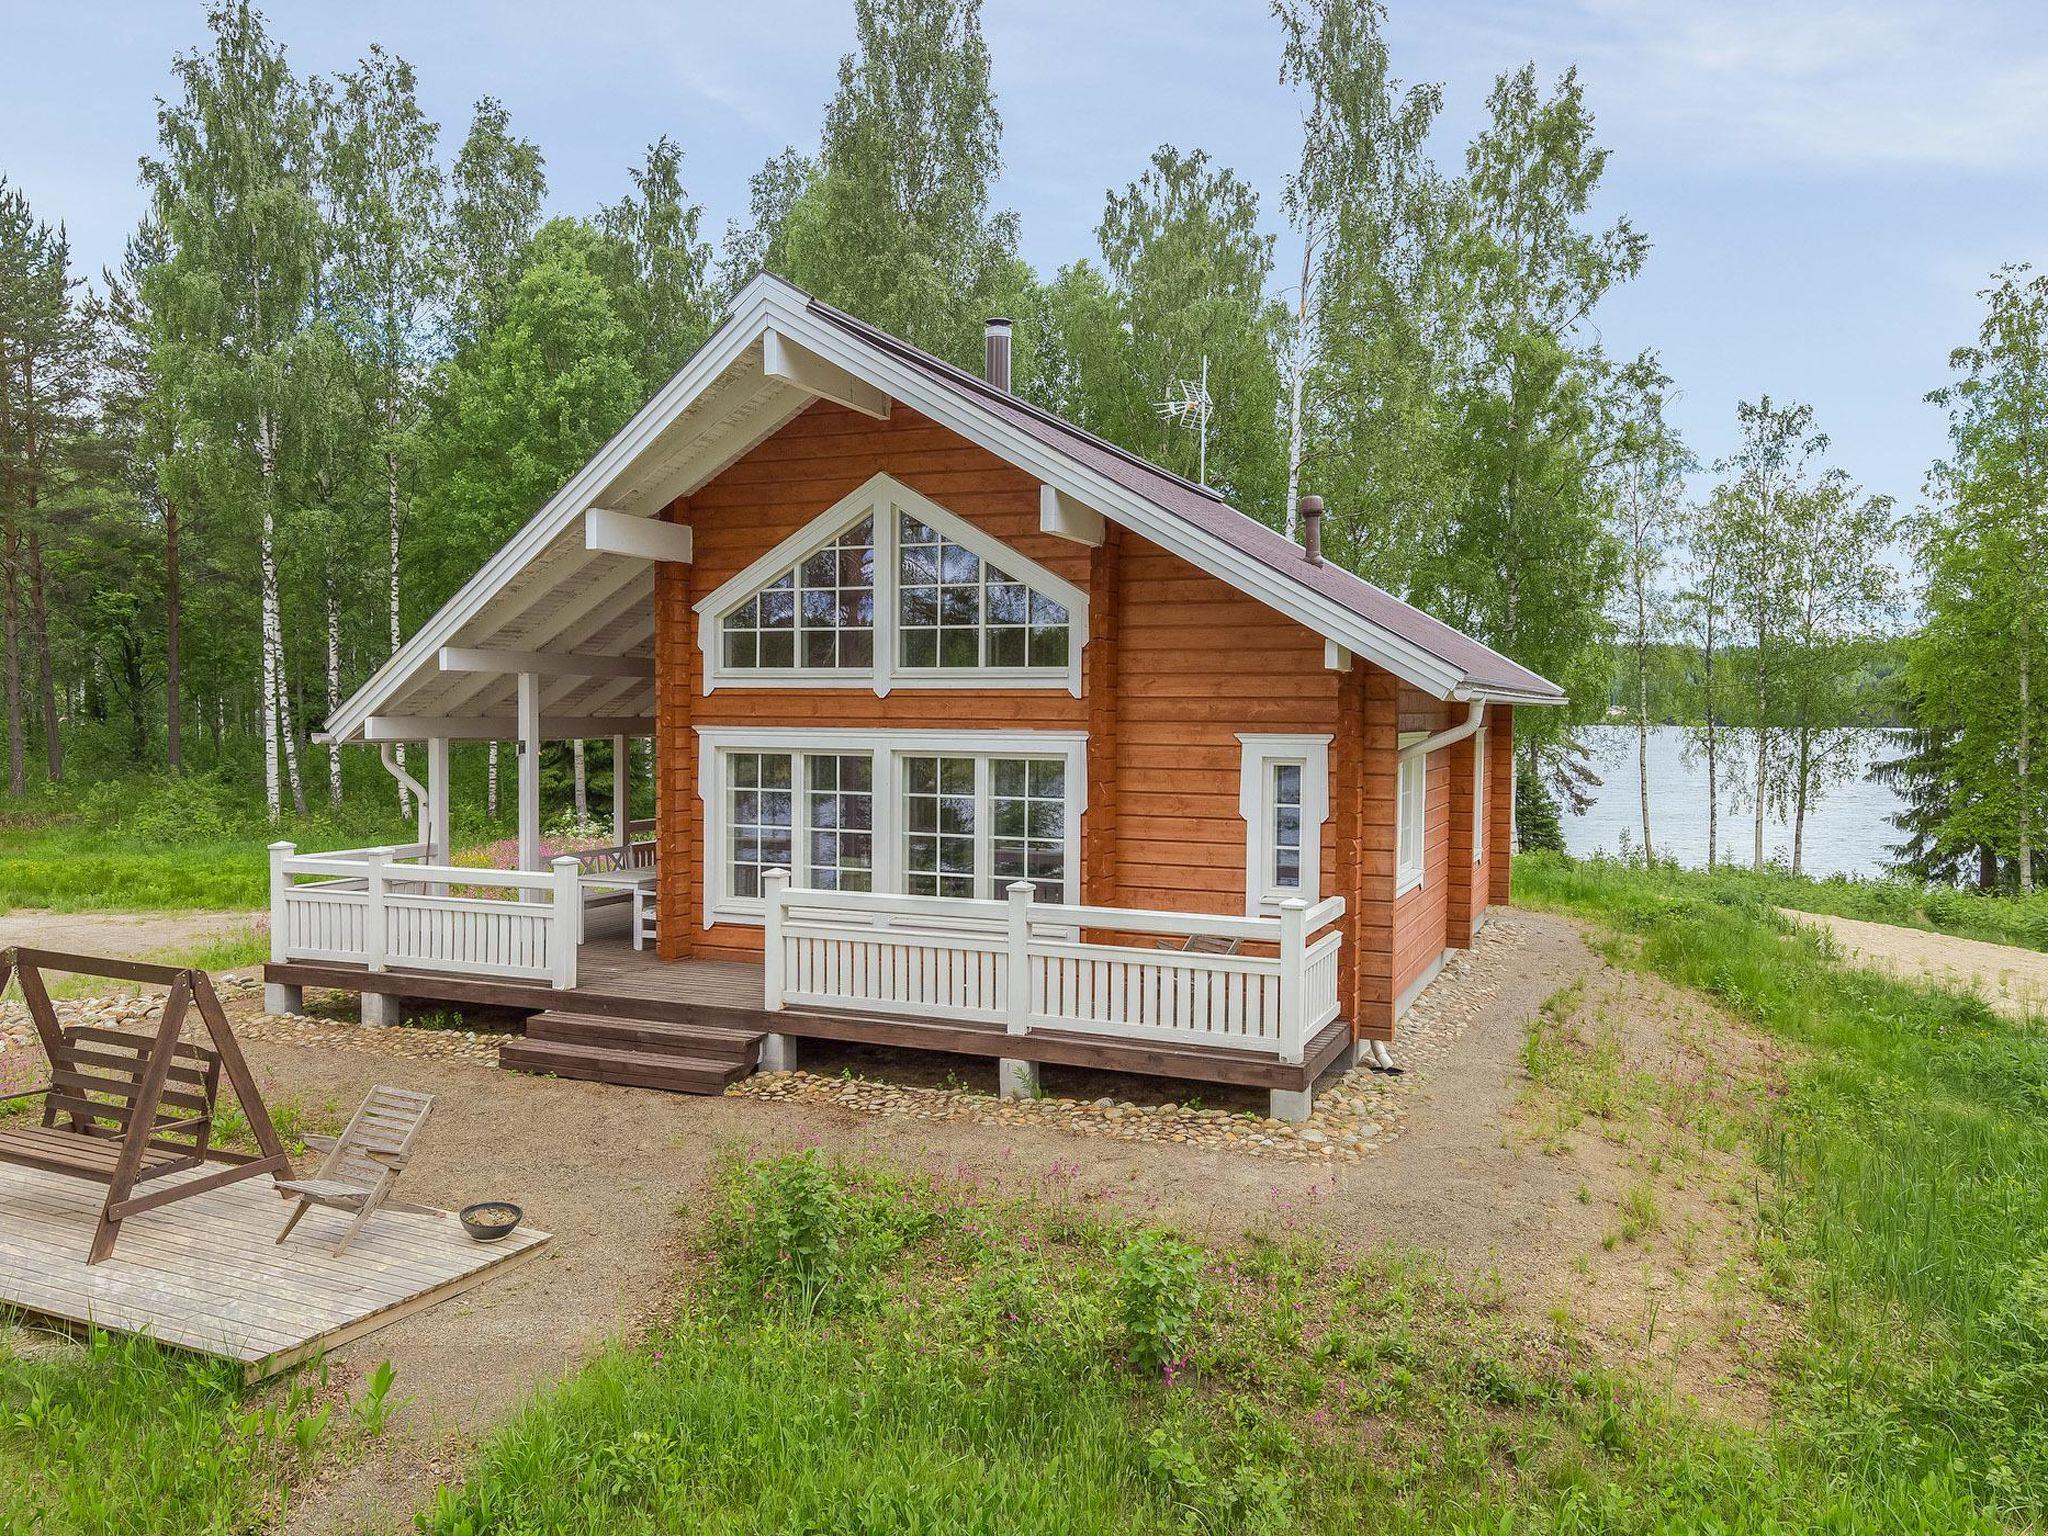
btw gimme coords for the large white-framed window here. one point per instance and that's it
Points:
(1284, 796)
(1479, 794)
(910, 812)
(887, 589)
(1411, 820)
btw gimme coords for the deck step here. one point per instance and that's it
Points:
(704, 1042)
(628, 1068)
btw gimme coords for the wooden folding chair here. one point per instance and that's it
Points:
(364, 1162)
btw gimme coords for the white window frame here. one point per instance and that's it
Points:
(884, 497)
(1411, 800)
(889, 748)
(1479, 794)
(1261, 754)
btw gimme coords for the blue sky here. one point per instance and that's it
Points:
(1826, 185)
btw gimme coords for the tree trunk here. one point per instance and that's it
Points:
(1799, 786)
(333, 689)
(2026, 774)
(174, 704)
(1987, 868)
(491, 782)
(289, 736)
(1643, 713)
(582, 797)
(46, 678)
(10, 635)
(391, 498)
(272, 635)
(1713, 743)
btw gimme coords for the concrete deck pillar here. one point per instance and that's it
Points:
(1017, 1079)
(283, 997)
(778, 1053)
(1293, 1105)
(383, 1009)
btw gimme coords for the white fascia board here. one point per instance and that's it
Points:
(784, 359)
(543, 663)
(502, 728)
(726, 346)
(644, 538)
(1064, 517)
(956, 411)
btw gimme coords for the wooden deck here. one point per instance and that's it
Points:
(618, 982)
(208, 1275)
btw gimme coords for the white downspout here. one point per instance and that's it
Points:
(389, 753)
(1475, 717)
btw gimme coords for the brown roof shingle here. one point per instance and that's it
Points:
(1480, 665)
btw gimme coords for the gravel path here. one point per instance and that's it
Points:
(2011, 979)
(130, 934)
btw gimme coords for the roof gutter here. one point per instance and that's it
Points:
(1475, 717)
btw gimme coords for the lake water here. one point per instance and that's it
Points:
(1846, 834)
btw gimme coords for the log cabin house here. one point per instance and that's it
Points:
(970, 731)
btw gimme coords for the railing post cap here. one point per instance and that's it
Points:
(282, 846)
(1021, 887)
(561, 859)
(777, 873)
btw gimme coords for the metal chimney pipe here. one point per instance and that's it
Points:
(996, 353)
(1312, 528)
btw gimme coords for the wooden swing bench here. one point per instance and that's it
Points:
(129, 1109)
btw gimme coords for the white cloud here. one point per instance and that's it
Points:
(1881, 83)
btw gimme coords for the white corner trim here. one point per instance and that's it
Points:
(643, 538)
(782, 358)
(1260, 751)
(1068, 517)
(882, 496)
(887, 746)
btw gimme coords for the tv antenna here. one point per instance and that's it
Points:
(1190, 401)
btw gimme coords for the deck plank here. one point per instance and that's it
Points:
(208, 1275)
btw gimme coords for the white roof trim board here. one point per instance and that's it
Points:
(723, 403)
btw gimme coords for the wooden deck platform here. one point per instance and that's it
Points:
(208, 1275)
(693, 998)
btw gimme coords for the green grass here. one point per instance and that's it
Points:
(863, 1353)
(125, 1437)
(1997, 919)
(1907, 1167)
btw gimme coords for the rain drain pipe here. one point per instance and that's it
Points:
(1475, 717)
(389, 753)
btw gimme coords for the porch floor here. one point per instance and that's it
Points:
(615, 981)
(207, 1273)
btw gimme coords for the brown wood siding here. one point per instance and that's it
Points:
(1178, 664)
(1500, 791)
(1199, 662)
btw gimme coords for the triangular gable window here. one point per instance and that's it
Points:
(888, 589)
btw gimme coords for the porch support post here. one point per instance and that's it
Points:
(437, 800)
(1017, 1078)
(529, 770)
(279, 996)
(622, 789)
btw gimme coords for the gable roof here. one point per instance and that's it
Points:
(1483, 669)
(545, 590)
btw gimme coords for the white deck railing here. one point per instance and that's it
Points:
(1024, 965)
(379, 908)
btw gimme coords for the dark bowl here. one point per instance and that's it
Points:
(486, 1231)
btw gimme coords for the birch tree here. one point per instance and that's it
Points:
(1765, 477)
(231, 188)
(1650, 470)
(1702, 608)
(387, 211)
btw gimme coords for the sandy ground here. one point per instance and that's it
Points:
(2010, 979)
(618, 1175)
(1484, 1174)
(131, 934)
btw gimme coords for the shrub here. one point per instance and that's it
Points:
(1159, 1291)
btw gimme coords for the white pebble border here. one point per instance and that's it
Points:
(1356, 1115)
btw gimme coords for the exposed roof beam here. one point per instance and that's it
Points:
(643, 538)
(455, 658)
(1335, 657)
(1068, 517)
(784, 359)
(457, 728)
